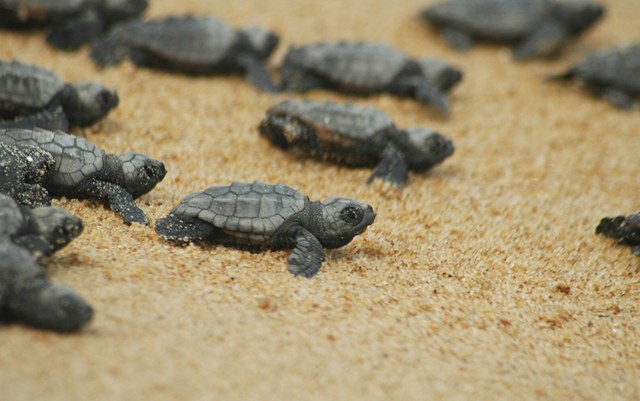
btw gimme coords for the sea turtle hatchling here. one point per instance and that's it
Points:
(27, 89)
(195, 45)
(366, 68)
(537, 28)
(23, 170)
(613, 74)
(624, 229)
(268, 216)
(72, 23)
(84, 171)
(26, 293)
(356, 136)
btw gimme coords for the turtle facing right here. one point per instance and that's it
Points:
(196, 45)
(613, 74)
(355, 136)
(537, 28)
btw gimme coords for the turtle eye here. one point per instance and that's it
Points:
(351, 215)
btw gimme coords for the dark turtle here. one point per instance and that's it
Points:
(26, 293)
(356, 136)
(52, 120)
(84, 171)
(27, 89)
(537, 28)
(613, 74)
(73, 22)
(624, 229)
(23, 169)
(191, 45)
(362, 68)
(268, 216)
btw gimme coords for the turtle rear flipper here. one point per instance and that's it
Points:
(617, 98)
(108, 52)
(258, 74)
(392, 167)
(183, 229)
(307, 254)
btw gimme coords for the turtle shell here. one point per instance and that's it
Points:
(43, 10)
(76, 159)
(358, 123)
(618, 68)
(188, 39)
(501, 20)
(358, 65)
(11, 219)
(247, 213)
(26, 88)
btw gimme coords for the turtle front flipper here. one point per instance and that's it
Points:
(457, 39)
(258, 74)
(108, 51)
(543, 42)
(620, 228)
(77, 32)
(119, 199)
(618, 98)
(182, 229)
(427, 94)
(392, 167)
(52, 119)
(307, 254)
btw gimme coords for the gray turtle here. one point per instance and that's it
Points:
(23, 170)
(268, 216)
(537, 28)
(612, 73)
(191, 45)
(367, 68)
(73, 22)
(84, 171)
(27, 89)
(26, 293)
(356, 136)
(624, 229)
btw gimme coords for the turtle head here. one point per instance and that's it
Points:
(342, 220)
(578, 15)
(84, 103)
(141, 173)
(54, 227)
(58, 308)
(262, 41)
(425, 148)
(440, 74)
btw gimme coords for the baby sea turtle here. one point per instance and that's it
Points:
(366, 68)
(26, 293)
(23, 170)
(73, 22)
(624, 229)
(268, 216)
(356, 136)
(537, 28)
(191, 45)
(613, 74)
(84, 171)
(27, 89)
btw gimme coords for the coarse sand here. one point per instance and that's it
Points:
(482, 279)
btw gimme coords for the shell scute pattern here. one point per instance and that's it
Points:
(19, 83)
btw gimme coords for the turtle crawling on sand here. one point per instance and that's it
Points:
(195, 45)
(73, 22)
(268, 216)
(365, 68)
(84, 171)
(28, 89)
(537, 28)
(26, 293)
(356, 136)
(613, 74)
(624, 229)
(23, 170)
